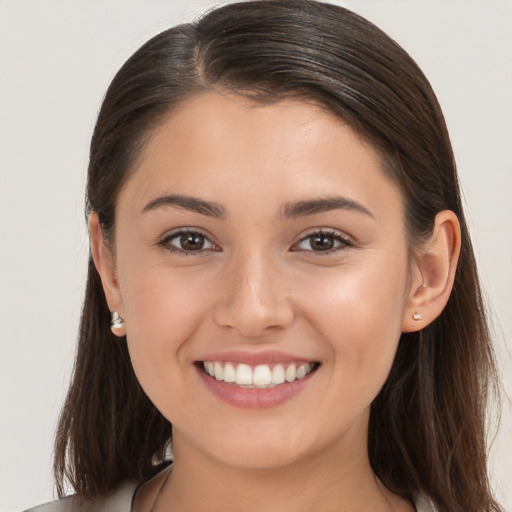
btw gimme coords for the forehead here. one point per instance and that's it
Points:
(215, 146)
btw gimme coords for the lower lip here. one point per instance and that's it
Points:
(254, 398)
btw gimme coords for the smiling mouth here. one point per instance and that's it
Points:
(261, 376)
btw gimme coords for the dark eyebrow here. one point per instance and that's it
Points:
(313, 206)
(187, 203)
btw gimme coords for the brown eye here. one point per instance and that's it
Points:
(187, 242)
(192, 241)
(322, 242)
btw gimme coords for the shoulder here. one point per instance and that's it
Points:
(63, 505)
(423, 504)
(119, 501)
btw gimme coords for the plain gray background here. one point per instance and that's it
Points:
(56, 60)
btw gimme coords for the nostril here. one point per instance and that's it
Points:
(253, 319)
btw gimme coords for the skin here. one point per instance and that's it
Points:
(259, 284)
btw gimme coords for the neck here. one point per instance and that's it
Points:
(329, 481)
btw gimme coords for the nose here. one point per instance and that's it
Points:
(255, 297)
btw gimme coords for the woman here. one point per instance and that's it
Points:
(278, 242)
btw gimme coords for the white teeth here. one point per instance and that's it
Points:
(218, 371)
(291, 373)
(301, 371)
(229, 373)
(243, 375)
(260, 376)
(278, 374)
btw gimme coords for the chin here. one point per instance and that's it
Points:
(262, 447)
(260, 458)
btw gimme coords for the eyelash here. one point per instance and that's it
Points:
(165, 243)
(338, 237)
(341, 239)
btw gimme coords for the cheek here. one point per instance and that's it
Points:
(162, 311)
(358, 314)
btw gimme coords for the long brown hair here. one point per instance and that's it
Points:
(427, 425)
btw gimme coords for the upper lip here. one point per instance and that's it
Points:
(255, 358)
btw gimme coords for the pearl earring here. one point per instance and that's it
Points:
(416, 316)
(116, 322)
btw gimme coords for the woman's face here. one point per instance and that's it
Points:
(265, 244)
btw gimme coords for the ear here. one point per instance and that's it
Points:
(433, 273)
(105, 265)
